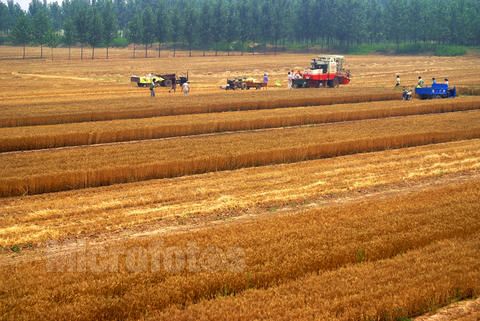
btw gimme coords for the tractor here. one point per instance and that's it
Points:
(324, 71)
(243, 83)
(165, 80)
(436, 91)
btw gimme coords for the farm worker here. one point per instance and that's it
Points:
(397, 82)
(265, 79)
(434, 81)
(152, 88)
(174, 87)
(290, 79)
(185, 88)
(407, 94)
(420, 82)
(446, 81)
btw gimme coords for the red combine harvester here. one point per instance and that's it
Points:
(325, 71)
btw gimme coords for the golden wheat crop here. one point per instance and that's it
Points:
(128, 108)
(473, 90)
(368, 236)
(188, 200)
(408, 285)
(48, 171)
(276, 250)
(38, 137)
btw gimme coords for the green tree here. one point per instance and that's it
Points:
(243, 16)
(34, 7)
(218, 23)
(14, 13)
(266, 23)
(22, 32)
(3, 17)
(189, 27)
(209, 24)
(205, 26)
(162, 26)
(109, 24)
(175, 31)
(52, 40)
(280, 9)
(41, 26)
(397, 21)
(232, 27)
(69, 35)
(95, 29)
(56, 16)
(148, 28)
(134, 34)
(81, 26)
(120, 9)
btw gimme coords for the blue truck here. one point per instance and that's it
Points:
(436, 91)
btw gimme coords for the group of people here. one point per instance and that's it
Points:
(421, 82)
(291, 76)
(185, 88)
(297, 75)
(407, 93)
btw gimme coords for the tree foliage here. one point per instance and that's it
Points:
(229, 24)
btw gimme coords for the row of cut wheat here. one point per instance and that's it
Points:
(473, 91)
(109, 109)
(186, 200)
(39, 137)
(56, 170)
(409, 285)
(266, 252)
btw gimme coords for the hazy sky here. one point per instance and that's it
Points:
(24, 3)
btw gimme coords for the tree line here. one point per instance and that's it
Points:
(240, 25)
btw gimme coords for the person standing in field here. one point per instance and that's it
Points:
(420, 83)
(434, 81)
(397, 81)
(290, 79)
(152, 88)
(446, 81)
(174, 86)
(265, 80)
(186, 88)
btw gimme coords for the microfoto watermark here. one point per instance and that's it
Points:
(84, 256)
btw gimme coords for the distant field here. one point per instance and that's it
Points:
(319, 204)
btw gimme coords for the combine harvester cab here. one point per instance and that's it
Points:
(325, 71)
(436, 91)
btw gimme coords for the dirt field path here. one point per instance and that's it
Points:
(459, 311)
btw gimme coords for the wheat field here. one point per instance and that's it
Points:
(328, 204)
(101, 132)
(57, 170)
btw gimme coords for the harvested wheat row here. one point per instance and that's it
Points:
(101, 110)
(106, 210)
(473, 91)
(39, 137)
(404, 286)
(289, 247)
(56, 170)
